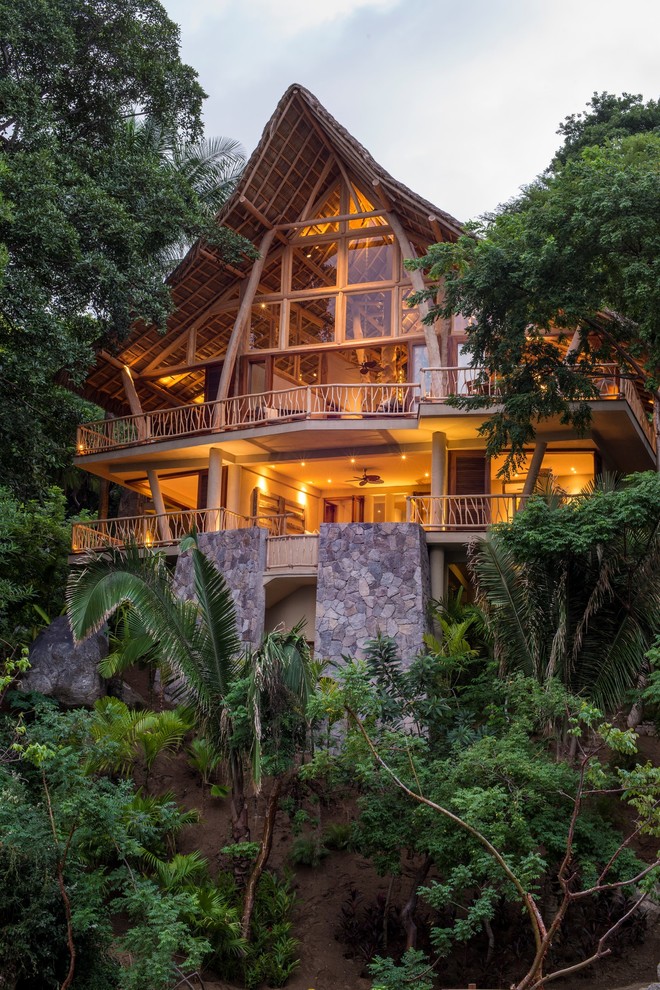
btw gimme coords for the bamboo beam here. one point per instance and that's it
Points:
(233, 347)
(333, 219)
(318, 185)
(163, 393)
(174, 343)
(417, 279)
(191, 350)
(129, 389)
(111, 359)
(381, 192)
(436, 228)
(159, 505)
(263, 220)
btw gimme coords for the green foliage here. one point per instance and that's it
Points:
(308, 850)
(487, 759)
(338, 835)
(571, 589)
(609, 118)
(93, 204)
(158, 935)
(122, 734)
(203, 758)
(578, 248)
(412, 971)
(34, 544)
(101, 834)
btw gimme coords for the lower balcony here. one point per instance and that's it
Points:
(461, 513)
(446, 513)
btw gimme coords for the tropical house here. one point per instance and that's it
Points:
(295, 412)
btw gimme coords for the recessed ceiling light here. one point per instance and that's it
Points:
(329, 481)
(352, 460)
(403, 457)
(302, 463)
(426, 474)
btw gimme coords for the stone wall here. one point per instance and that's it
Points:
(240, 555)
(372, 576)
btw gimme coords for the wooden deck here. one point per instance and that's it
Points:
(364, 401)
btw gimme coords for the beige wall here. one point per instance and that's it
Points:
(300, 604)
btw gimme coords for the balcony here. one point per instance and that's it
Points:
(321, 403)
(167, 529)
(460, 513)
(312, 402)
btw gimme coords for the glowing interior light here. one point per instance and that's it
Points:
(302, 463)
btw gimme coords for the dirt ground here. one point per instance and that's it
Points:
(321, 892)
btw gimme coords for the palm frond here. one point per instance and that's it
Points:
(508, 607)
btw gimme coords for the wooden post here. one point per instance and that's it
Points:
(438, 475)
(214, 490)
(233, 347)
(417, 279)
(134, 401)
(159, 505)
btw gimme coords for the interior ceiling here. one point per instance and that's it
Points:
(289, 163)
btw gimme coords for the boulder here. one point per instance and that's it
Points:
(64, 671)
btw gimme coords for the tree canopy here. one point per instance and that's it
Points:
(92, 205)
(577, 250)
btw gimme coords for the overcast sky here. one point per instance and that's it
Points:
(459, 99)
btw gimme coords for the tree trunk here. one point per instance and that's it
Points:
(408, 910)
(262, 858)
(533, 473)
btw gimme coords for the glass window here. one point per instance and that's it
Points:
(368, 314)
(330, 208)
(295, 369)
(363, 206)
(410, 321)
(370, 259)
(271, 277)
(314, 266)
(312, 321)
(265, 326)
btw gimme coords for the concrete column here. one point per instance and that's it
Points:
(214, 490)
(234, 472)
(438, 476)
(159, 505)
(437, 567)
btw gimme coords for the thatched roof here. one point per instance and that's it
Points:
(282, 173)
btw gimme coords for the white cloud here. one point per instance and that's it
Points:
(459, 101)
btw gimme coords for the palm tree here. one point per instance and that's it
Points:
(198, 642)
(211, 167)
(583, 608)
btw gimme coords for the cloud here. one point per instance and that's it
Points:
(459, 101)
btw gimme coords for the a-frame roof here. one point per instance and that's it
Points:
(299, 147)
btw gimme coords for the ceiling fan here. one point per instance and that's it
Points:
(368, 366)
(367, 479)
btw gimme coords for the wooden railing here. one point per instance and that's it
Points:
(322, 402)
(306, 402)
(460, 513)
(167, 528)
(438, 384)
(288, 552)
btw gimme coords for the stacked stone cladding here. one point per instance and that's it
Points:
(240, 555)
(372, 577)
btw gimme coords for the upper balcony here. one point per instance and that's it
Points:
(323, 402)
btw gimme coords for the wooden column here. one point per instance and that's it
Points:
(134, 401)
(438, 476)
(164, 531)
(234, 472)
(214, 490)
(437, 568)
(235, 340)
(417, 279)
